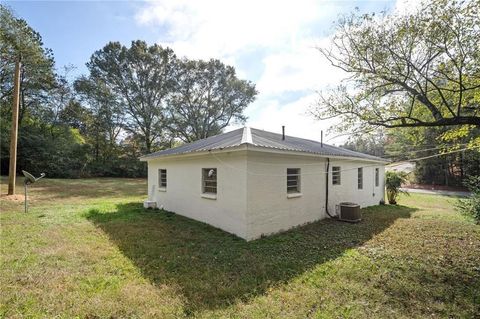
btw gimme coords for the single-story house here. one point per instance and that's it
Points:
(251, 182)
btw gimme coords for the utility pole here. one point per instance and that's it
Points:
(14, 132)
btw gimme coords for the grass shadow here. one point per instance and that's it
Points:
(213, 269)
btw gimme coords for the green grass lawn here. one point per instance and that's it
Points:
(88, 249)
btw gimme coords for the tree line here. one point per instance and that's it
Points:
(134, 100)
(451, 168)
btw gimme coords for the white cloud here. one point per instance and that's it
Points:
(216, 28)
(406, 6)
(278, 39)
(302, 68)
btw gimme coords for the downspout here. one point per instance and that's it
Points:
(326, 190)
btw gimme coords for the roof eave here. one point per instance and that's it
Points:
(274, 150)
(235, 148)
(253, 147)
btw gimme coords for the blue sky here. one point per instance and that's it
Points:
(271, 43)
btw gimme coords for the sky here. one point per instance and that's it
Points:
(271, 43)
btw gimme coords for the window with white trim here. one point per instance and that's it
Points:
(293, 180)
(162, 178)
(209, 180)
(360, 178)
(377, 177)
(336, 175)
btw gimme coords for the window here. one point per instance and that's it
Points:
(336, 177)
(293, 180)
(360, 178)
(162, 178)
(209, 180)
(377, 177)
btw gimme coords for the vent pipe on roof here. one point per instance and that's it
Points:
(321, 138)
(283, 132)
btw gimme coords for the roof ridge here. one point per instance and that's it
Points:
(247, 136)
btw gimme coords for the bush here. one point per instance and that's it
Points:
(393, 182)
(471, 206)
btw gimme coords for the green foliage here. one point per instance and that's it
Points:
(134, 100)
(443, 167)
(471, 205)
(59, 151)
(206, 98)
(372, 143)
(158, 98)
(411, 69)
(137, 80)
(20, 41)
(415, 73)
(393, 182)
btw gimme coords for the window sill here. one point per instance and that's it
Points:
(162, 189)
(209, 196)
(294, 195)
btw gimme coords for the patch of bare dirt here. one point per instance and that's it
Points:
(13, 198)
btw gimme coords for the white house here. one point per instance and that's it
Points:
(251, 182)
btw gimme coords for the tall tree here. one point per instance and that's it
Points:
(407, 70)
(19, 45)
(141, 77)
(207, 98)
(37, 76)
(106, 118)
(104, 106)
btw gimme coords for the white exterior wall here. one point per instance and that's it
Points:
(183, 194)
(348, 190)
(269, 210)
(252, 189)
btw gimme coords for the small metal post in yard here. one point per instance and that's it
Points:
(29, 179)
(26, 197)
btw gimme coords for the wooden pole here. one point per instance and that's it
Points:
(14, 133)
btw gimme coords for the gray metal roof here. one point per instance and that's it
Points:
(220, 141)
(262, 139)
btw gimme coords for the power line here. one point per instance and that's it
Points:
(324, 172)
(424, 150)
(436, 155)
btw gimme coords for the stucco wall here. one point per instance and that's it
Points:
(183, 194)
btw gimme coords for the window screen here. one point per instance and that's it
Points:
(293, 180)
(209, 180)
(162, 178)
(336, 176)
(360, 178)
(377, 176)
